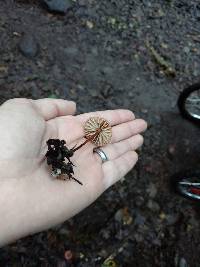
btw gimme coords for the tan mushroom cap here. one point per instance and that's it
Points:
(94, 125)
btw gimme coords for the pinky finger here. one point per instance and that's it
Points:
(115, 169)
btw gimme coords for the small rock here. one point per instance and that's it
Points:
(28, 45)
(106, 70)
(3, 68)
(183, 263)
(81, 255)
(186, 49)
(60, 6)
(123, 216)
(119, 216)
(152, 190)
(34, 90)
(162, 215)
(64, 232)
(196, 72)
(105, 233)
(103, 253)
(94, 92)
(89, 24)
(171, 149)
(145, 111)
(176, 260)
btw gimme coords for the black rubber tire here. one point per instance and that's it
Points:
(182, 100)
(176, 178)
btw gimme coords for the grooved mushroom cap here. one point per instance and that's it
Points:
(100, 129)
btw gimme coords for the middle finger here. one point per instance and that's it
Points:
(127, 129)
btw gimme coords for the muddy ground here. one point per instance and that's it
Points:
(104, 55)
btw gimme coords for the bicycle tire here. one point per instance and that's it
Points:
(185, 175)
(182, 102)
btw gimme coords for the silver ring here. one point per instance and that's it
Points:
(101, 153)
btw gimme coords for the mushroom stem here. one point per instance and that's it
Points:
(86, 141)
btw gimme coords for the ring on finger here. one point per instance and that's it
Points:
(101, 153)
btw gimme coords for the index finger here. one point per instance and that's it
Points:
(52, 108)
(114, 117)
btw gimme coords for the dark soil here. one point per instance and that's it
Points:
(104, 55)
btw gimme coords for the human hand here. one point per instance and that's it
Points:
(31, 200)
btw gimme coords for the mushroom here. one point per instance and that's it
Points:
(98, 131)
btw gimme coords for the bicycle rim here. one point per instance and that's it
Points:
(192, 104)
(189, 187)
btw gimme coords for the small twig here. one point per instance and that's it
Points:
(76, 180)
(169, 70)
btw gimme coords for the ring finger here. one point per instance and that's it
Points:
(115, 150)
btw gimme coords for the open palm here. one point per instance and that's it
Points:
(39, 200)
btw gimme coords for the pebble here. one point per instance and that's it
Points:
(123, 216)
(162, 216)
(186, 49)
(63, 231)
(28, 45)
(60, 6)
(105, 233)
(171, 150)
(183, 263)
(3, 69)
(34, 90)
(94, 92)
(152, 190)
(119, 216)
(145, 111)
(89, 24)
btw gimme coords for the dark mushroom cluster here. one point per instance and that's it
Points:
(56, 155)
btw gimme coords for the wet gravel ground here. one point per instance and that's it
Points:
(104, 55)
